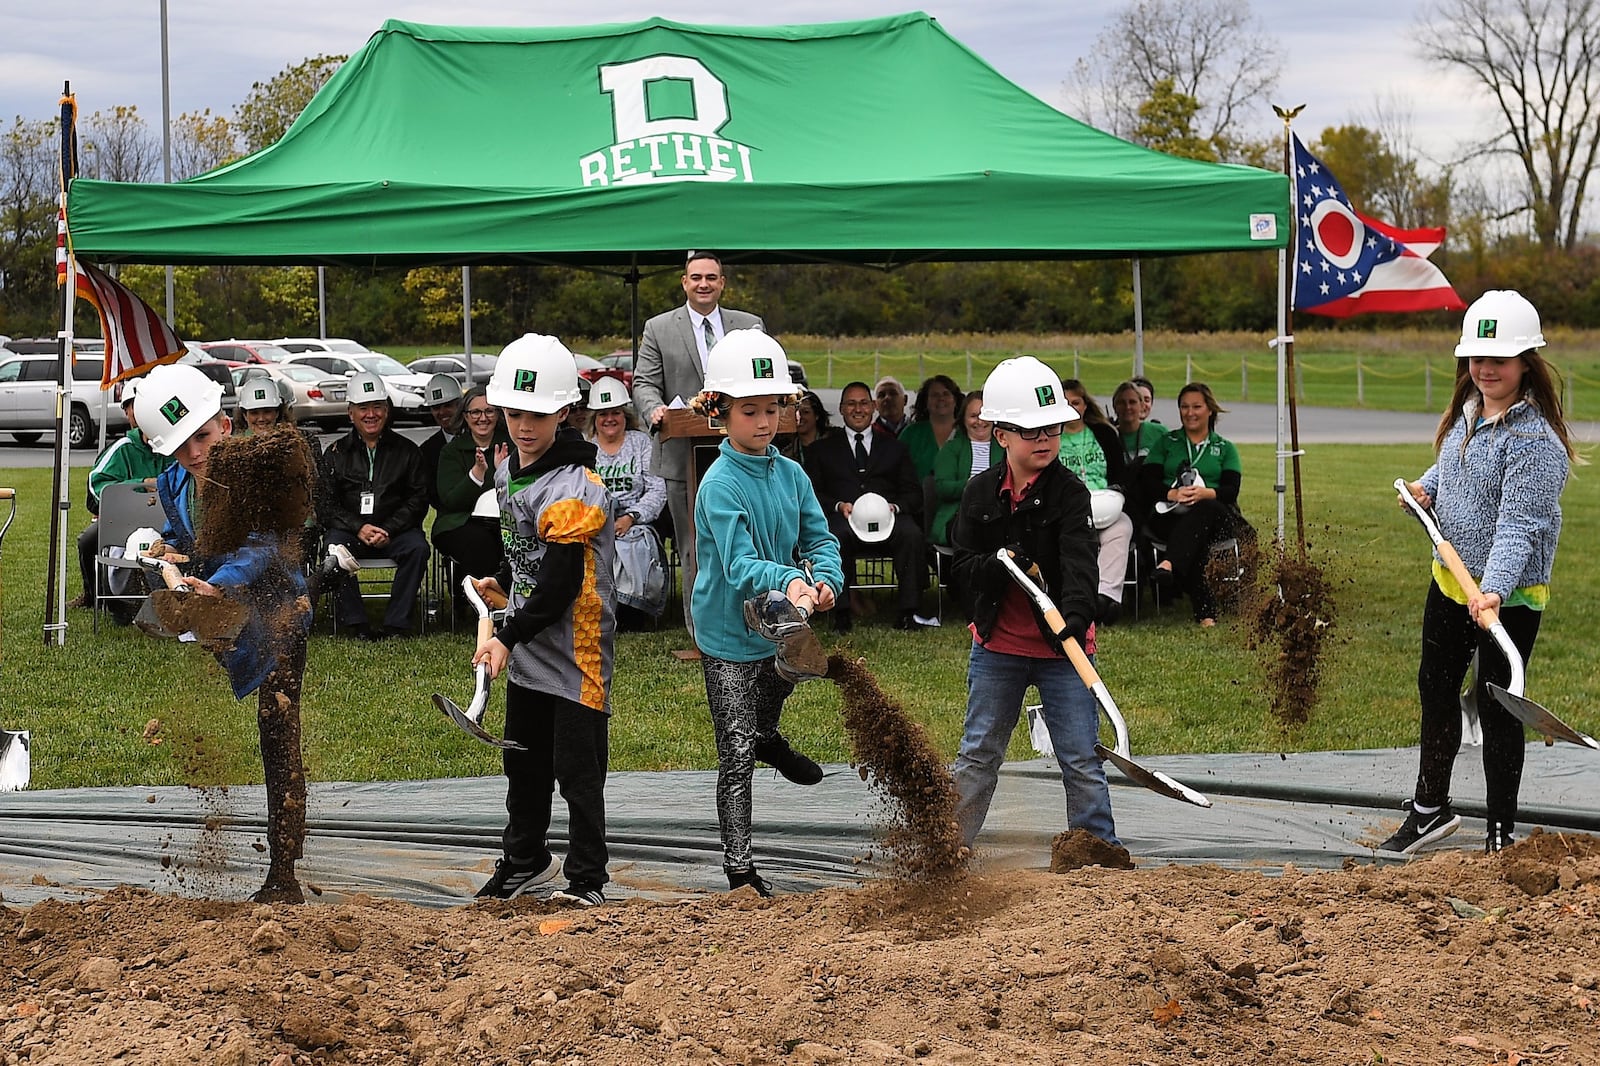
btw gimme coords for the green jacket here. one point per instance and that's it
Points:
(125, 459)
(952, 469)
(458, 493)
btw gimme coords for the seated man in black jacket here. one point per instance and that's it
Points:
(372, 501)
(1038, 509)
(858, 459)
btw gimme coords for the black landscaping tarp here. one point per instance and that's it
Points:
(434, 842)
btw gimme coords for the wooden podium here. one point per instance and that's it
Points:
(705, 437)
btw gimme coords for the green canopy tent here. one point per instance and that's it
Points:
(883, 141)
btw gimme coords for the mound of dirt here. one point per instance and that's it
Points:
(1442, 960)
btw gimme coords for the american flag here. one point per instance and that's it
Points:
(1347, 264)
(136, 337)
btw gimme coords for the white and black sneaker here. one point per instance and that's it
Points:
(1498, 839)
(512, 879)
(1419, 830)
(575, 895)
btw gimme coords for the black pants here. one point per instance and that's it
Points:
(475, 546)
(567, 745)
(746, 701)
(1449, 638)
(1188, 537)
(409, 550)
(905, 546)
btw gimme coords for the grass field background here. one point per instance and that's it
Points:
(1396, 370)
(368, 713)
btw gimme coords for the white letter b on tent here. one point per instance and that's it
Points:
(626, 83)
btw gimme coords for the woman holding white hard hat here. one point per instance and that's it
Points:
(622, 459)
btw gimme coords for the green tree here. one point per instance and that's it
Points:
(272, 106)
(1382, 181)
(1166, 123)
(201, 141)
(29, 184)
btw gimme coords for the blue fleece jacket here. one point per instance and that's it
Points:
(1497, 496)
(755, 517)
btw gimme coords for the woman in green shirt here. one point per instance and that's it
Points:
(933, 422)
(1194, 476)
(969, 452)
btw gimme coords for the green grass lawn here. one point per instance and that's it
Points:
(1396, 370)
(368, 714)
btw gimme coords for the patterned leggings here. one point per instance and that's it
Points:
(746, 700)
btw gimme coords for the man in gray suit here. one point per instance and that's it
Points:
(670, 371)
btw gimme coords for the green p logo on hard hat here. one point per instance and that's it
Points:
(1046, 395)
(522, 380)
(605, 397)
(761, 368)
(174, 411)
(872, 527)
(1487, 327)
(367, 386)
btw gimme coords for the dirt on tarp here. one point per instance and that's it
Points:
(1441, 960)
(896, 757)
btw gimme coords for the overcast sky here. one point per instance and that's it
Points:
(1339, 58)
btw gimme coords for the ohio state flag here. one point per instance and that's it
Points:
(1346, 263)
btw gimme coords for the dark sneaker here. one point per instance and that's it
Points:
(1108, 611)
(578, 896)
(777, 754)
(512, 879)
(1498, 840)
(742, 878)
(1419, 830)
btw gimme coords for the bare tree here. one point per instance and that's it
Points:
(118, 146)
(1539, 61)
(1216, 52)
(201, 141)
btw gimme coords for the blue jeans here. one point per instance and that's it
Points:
(995, 686)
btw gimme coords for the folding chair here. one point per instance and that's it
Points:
(124, 508)
(374, 573)
(941, 557)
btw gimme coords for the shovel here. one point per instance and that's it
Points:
(216, 620)
(1511, 698)
(1122, 756)
(471, 719)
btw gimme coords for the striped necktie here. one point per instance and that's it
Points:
(711, 334)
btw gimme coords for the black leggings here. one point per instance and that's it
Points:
(1449, 639)
(1189, 537)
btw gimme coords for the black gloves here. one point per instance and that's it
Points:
(1020, 557)
(1076, 627)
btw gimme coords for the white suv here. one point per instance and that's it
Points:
(28, 400)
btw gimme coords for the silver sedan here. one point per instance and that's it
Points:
(318, 396)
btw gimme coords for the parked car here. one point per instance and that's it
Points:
(456, 366)
(28, 400)
(592, 370)
(405, 388)
(318, 396)
(240, 352)
(222, 374)
(51, 346)
(337, 345)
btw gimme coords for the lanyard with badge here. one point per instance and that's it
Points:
(369, 498)
(1196, 453)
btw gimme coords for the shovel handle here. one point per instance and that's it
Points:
(1488, 619)
(6, 494)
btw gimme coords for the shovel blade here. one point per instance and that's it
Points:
(1154, 780)
(801, 657)
(472, 728)
(15, 760)
(1540, 720)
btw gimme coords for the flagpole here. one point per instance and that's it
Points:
(1285, 344)
(55, 608)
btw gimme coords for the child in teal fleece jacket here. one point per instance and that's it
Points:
(756, 518)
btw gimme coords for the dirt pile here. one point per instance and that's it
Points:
(1171, 964)
(895, 755)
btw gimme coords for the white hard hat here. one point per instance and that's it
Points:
(366, 387)
(747, 362)
(130, 389)
(871, 517)
(1105, 505)
(260, 393)
(1189, 476)
(1500, 324)
(1025, 393)
(535, 373)
(607, 393)
(441, 389)
(173, 402)
(139, 542)
(488, 505)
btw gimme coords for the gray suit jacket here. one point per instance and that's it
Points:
(669, 366)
